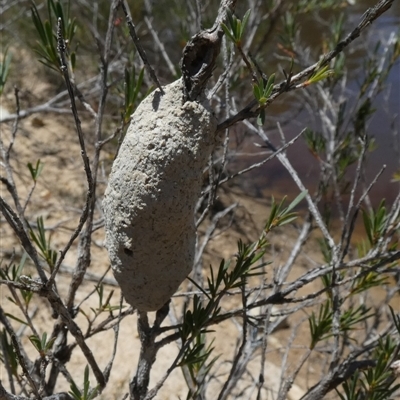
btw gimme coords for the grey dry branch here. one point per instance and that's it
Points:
(116, 327)
(138, 387)
(282, 157)
(136, 41)
(84, 257)
(237, 364)
(4, 395)
(293, 82)
(57, 103)
(18, 228)
(89, 177)
(349, 222)
(74, 329)
(259, 164)
(280, 297)
(54, 300)
(160, 44)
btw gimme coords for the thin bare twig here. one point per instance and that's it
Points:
(108, 367)
(269, 158)
(85, 158)
(232, 379)
(248, 112)
(142, 53)
(161, 46)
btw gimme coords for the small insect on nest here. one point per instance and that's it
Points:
(150, 200)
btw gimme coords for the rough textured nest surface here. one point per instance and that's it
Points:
(151, 195)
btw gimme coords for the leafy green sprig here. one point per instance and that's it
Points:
(43, 243)
(47, 38)
(248, 263)
(42, 345)
(374, 383)
(4, 69)
(87, 393)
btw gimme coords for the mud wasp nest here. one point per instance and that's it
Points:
(150, 200)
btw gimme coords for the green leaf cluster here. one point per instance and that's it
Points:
(321, 324)
(368, 281)
(236, 27)
(12, 273)
(290, 28)
(375, 223)
(374, 383)
(42, 345)
(315, 141)
(346, 154)
(195, 320)
(8, 356)
(319, 74)
(229, 276)
(306, 6)
(47, 41)
(86, 393)
(4, 69)
(196, 356)
(35, 170)
(44, 244)
(132, 86)
(281, 216)
(262, 89)
(198, 362)
(104, 304)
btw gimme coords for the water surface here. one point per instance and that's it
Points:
(272, 178)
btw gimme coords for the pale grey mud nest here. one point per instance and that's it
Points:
(153, 188)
